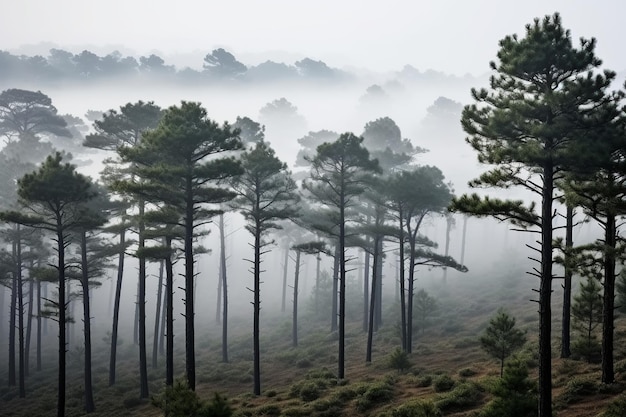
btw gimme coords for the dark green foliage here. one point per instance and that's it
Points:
(587, 316)
(576, 389)
(425, 306)
(463, 396)
(399, 360)
(515, 395)
(443, 383)
(617, 408)
(375, 394)
(501, 338)
(467, 372)
(180, 401)
(416, 408)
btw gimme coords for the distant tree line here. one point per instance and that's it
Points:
(219, 66)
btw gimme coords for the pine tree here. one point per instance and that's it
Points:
(587, 315)
(501, 338)
(339, 174)
(265, 194)
(525, 125)
(50, 197)
(179, 163)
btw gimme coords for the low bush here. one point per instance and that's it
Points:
(443, 383)
(464, 395)
(399, 360)
(467, 372)
(377, 393)
(416, 408)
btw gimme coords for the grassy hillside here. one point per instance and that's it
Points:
(447, 368)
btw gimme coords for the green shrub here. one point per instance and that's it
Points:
(416, 408)
(268, 410)
(575, 389)
(443, 383)
(467, 372)
(514, 394)
(296, 412)
(399, 360)
(377, 393)
(303, 363)
(462, 396)
(424, 381)
(180, 401)
(617, 408)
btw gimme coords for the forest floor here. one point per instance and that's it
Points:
(300, 381)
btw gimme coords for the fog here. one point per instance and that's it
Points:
(425, 104)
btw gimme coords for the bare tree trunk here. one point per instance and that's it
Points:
(157, 317)
(12, 319)
(449, 223)
(378, 318)
(366, 286)
(567, 286)
(224, 281)
(116, 308)
(257, 308)
(318, 261)
(370, 332)
(89, 403)
(545, 294)
(29, 323)
(169, 306)
(464, 235)
(141, 302)
(20, 312)
(285, 271)
(334, 313)
(39, 319)
(60, 238)
(608, 304)
(294, 329)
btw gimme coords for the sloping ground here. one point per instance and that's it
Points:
(300, 381)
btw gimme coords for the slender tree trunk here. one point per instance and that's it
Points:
(608, 305)
(567, 285)
(372, 303)
(89, 403)
(257, 306)
(224, 288)
(116, 308)
(366, 286)
(12, 319)
(378, 318)
(402, 281)
(218, 304)
(157, 317)
(342, 285)
(294, 329)
(545, 293)
(334, 312)
(318, 261)
(29, 323)
(20, 317)
(464, 235)
(136, 320)
(162, 326)
(70, 316)
(190, 339)
(38, 366)
(45, 320)
(62, 317)
(449, 222)
(141, 302)
(283, 306)
(169, 306)
(410, 296)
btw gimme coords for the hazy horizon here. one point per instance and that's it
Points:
(351, 34)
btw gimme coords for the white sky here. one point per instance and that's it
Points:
(459, 36)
